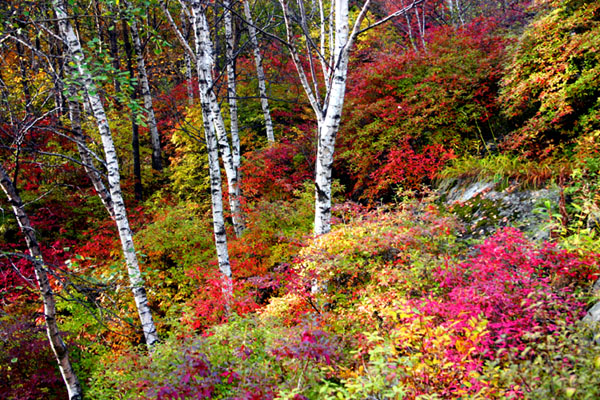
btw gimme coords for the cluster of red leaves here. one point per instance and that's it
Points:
(314, 344)
(512, 284)
(445, 96)
(276, 172)
(407, 168)
(208, 306)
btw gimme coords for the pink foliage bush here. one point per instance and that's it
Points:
(511, 283)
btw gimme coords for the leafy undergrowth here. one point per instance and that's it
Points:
(390, 306)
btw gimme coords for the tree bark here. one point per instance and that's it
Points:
(112, 165)
(146, 95)
(330, 124)
(212, 144)
(208, 99)
(216, 196)
(188, 63)
(260, 73)
(24, 79)
(231, 84)
(328, 111)
(59, 348)
(188, 79)
(138, 188)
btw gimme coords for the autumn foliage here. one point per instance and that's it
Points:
(395, 302)
(428, 104)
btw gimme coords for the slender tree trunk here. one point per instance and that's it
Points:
(24, 79)
(146, 95)
(216, 196)
(137, 282)
(59, 348)
(138, 188)
(204, 64)
(260, 73)
(212, 146)
(324, 163)
(188, 62)
(421, 26)
(330, 124)
(56, 52)
(188, 79)
(409, 30)
(231, 84)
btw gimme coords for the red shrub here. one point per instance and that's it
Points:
(509, 284)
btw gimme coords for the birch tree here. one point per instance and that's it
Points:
(84, 78)
(330, 52)
(187, 61)
(216, 196)
(203, 50)
(59, 348)
(205, 64)
(231, 82)
(260, 73)
(210, 104)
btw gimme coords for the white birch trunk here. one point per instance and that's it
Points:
(146, 95)
(208, 99)
(260, 74)
(450, 5)
(421, 26)
(212, 146)
(216, 196)
(410, 31)
(58, 346)
(330, 124)
(112, 165)
(188, 79)
(329, 114)
(231, 84)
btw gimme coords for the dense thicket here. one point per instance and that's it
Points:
(394, 302)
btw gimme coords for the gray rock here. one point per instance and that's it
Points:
(486, 206)
(593, 314)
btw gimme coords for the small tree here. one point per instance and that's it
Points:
(59, 348)
(325, 88)
(85, 80)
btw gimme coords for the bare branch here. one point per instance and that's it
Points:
(391, 16)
